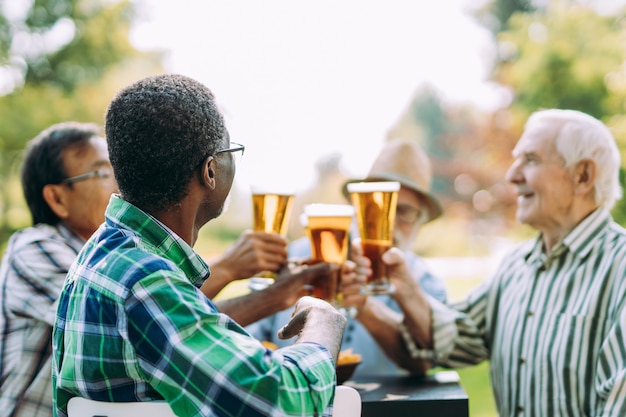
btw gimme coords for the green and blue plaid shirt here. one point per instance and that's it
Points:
(133, 326)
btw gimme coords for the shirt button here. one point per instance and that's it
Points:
(520, 409)
(522, 361)
(530, 314)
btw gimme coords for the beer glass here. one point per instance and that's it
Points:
(327, 226)
(271, 208)
(375, 206)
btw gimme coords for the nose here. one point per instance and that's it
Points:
(514, 173)
(115, 189)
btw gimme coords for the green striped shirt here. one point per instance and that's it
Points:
(132, 326)
(553, 327)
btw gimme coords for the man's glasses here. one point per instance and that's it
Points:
(102, 173)
(408, 214)
(233, 149)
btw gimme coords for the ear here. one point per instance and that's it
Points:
(56, 198)
(585, 175)
(208, 172)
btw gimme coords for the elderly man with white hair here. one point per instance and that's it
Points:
(552, 319)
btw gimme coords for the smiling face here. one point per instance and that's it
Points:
(545, 187)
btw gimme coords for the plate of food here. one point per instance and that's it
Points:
(347, 363)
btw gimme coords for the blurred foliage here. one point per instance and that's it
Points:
(553, 56)
(64, 43)
(619, 211)
(559, 56)
(60, 60)
(550, 60)
(470, 153)
(495, 15)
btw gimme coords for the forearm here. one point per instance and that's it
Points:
(327, 332)
(249, 308)
(384, 324)
(417, 317)
(220, 277)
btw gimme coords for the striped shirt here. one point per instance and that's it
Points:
(31, 277)
(553, 326)
(132, 325)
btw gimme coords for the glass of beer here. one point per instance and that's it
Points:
(327, 226)
(375, 205)
(271, 208)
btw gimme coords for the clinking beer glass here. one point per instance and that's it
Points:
(327, 226)
(375, 205)
(271, 208)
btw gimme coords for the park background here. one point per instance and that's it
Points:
(313, 89)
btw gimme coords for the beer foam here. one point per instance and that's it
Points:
(323, 210)
(369, 187)
(257, 189)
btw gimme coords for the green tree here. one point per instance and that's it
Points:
(495, 15)
(59, 60)
(562, 59)
(64, 42)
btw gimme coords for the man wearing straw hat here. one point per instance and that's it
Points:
(375, 340)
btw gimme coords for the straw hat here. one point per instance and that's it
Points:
(404, 161)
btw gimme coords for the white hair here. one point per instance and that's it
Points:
(580, 136)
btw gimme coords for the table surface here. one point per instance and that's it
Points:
(439, 394)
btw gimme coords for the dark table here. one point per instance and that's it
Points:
(437, 395)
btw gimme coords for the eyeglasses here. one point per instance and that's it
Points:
(233, 149)
(408, 214)
(102, 173)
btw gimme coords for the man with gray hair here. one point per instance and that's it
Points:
(552, 319)
(67, 181)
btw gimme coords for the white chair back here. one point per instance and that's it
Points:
(347, 402)
(83, 407)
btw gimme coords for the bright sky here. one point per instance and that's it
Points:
(299, 80)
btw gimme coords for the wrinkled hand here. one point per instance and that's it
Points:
(315, 320)
(399, 273)
(252, 253)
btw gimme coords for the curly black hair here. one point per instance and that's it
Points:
(158, 130)
(43, 164)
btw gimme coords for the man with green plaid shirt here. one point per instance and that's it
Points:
(132, 324)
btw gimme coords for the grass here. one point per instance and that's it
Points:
(475, 379)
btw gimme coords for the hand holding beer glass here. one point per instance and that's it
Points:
(375, 205)
(327, 226)
(271, 208)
